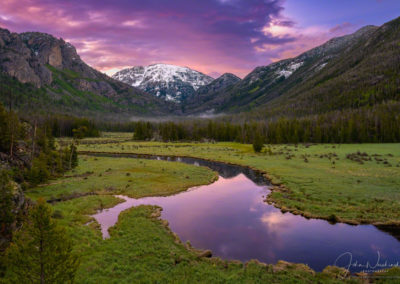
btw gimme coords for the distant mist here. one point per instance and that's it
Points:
(204, 115)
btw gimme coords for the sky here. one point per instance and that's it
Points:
(211, 36)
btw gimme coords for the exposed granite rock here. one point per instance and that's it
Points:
(55, 57)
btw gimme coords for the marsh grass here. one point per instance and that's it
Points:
(132, 177)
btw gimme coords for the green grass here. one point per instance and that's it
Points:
(74, 215)
(319, 180)
(132, 177)
(254, 90)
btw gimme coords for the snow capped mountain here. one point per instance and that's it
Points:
(173, 83)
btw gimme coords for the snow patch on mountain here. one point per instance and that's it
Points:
(288, 71)
(320, 67)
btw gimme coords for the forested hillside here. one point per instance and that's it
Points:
(366, 74)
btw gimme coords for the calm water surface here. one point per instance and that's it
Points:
(230, 218)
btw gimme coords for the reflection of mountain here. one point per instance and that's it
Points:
(225, 170)
(393, 230)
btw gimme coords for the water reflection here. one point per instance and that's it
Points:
(230, 218)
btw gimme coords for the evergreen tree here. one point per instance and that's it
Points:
(142, 131)
(41, 252)
(14, 130)
(258, 143)
(73, 156)
(7, 217)
(4, 130)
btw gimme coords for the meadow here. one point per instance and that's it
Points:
(352, 183)
(131, 177)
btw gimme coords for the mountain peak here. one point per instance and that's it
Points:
(229, 76)
(170, 82)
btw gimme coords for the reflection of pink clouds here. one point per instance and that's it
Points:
(277, 222)
(276, 225)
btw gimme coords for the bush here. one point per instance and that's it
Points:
(333, 219)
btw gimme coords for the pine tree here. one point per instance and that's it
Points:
(4, 130)
(73, 156)
(14, 130)
(7, 216)
(41, 251)
(258, 144)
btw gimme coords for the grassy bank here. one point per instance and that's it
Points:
(132, 177)
(354, 183)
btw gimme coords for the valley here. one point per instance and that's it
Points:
(233, 145)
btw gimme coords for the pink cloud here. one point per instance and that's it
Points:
(305, 38)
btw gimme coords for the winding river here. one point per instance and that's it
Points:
(231, 218)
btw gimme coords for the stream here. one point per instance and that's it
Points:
(231, 218)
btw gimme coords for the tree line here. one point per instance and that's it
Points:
(66, 125)
(376, 124)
